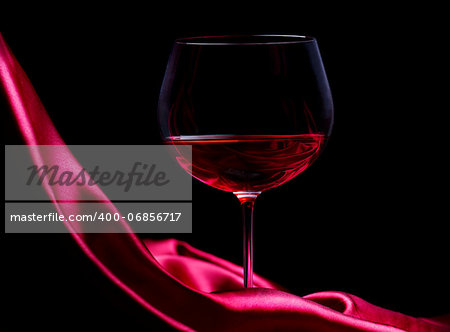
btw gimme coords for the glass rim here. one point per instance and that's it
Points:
(259, 39)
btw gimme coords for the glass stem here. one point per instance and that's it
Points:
(247, 200)
(247, 219)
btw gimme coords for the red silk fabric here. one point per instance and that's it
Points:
(190, 289)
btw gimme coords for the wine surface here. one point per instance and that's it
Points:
(248, 162)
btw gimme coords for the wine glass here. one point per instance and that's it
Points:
(256, 109)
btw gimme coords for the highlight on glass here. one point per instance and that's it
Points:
(256, 109)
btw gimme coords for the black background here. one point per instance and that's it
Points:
(369, 217)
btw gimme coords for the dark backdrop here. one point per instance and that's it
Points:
(368, 218)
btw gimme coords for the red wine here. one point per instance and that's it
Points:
(249, 162)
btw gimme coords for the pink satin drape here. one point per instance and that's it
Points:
(188, 288)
